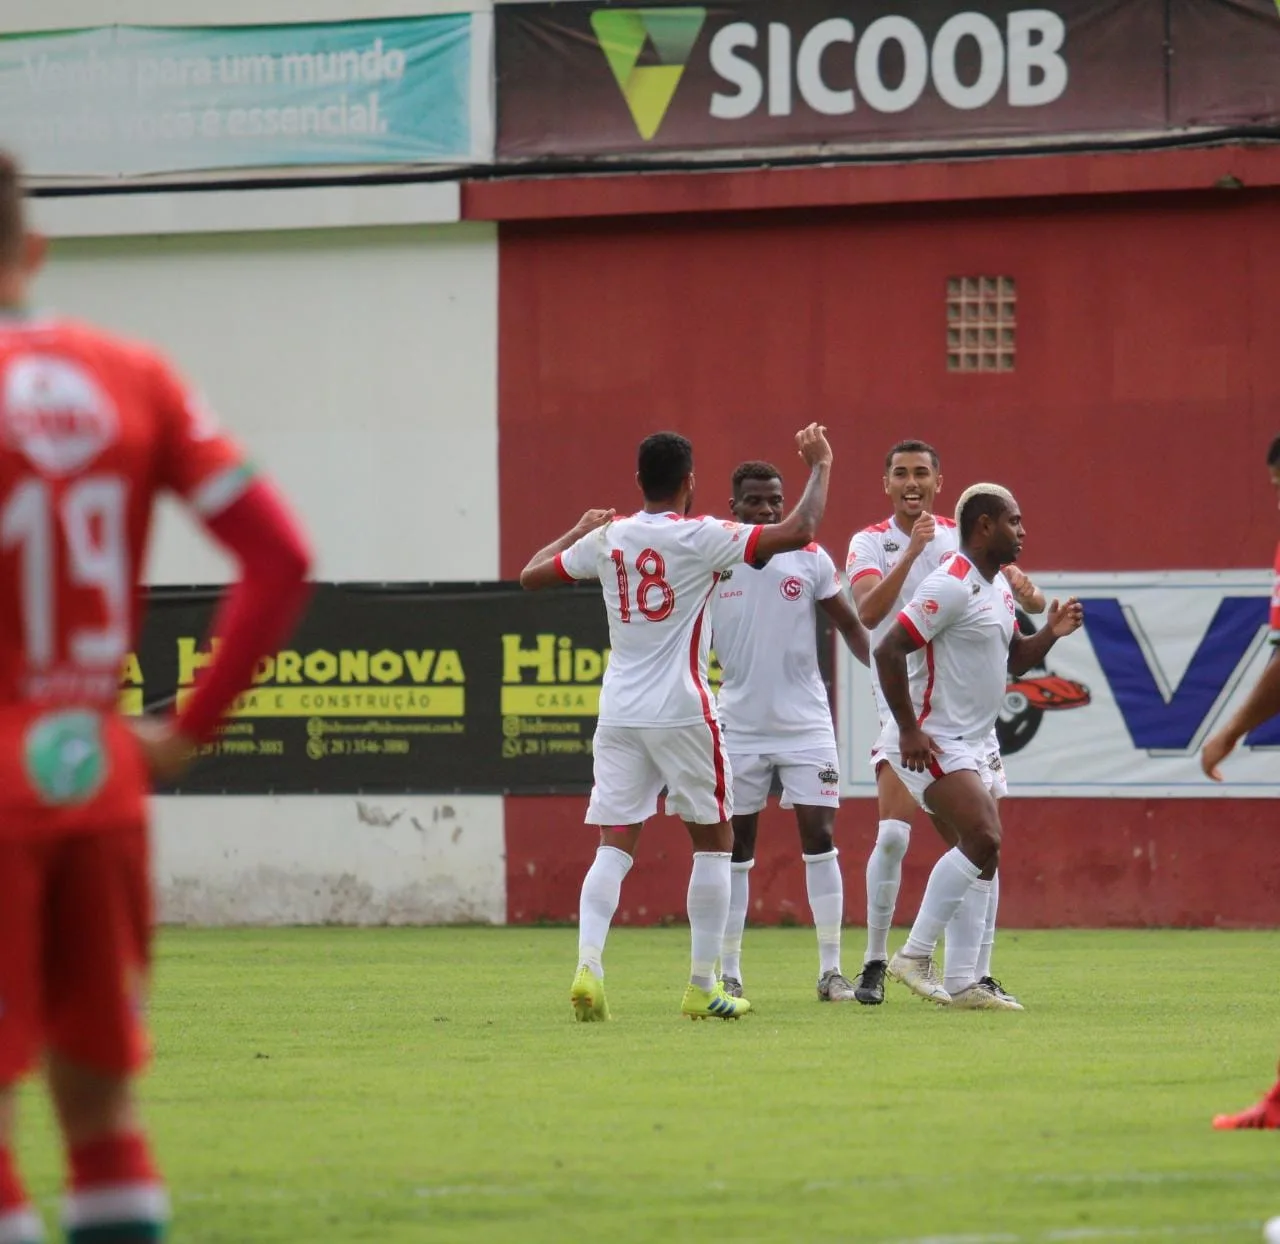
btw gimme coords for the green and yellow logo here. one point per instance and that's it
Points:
(625, 34)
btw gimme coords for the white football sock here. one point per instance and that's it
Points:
(739, 900)
(949, 882)
(989, 934)
(884, 879)
(964, 937)
(601, 888)
(826, 901)
(708, 906)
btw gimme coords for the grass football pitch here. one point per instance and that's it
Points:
(400, 1085)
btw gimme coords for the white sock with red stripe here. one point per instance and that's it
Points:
(964, 938)
(884, 880)
(116, 1195)
(601, 890)
(710, 886)
(826, 900)
(739, 901)
(983, 968)
(19, 1222)
(949, 882)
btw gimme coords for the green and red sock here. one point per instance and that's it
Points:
(116, 1195)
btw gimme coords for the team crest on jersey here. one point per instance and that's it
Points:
(726, 575)
(891, 546)
(829, 775)
(977, 587)
(791, 588)
(56, 413)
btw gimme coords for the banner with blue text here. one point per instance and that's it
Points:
(1121, 709)
(131, 100)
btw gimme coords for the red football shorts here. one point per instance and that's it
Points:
(75, 949)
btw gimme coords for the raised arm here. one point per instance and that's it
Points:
(873, 596)
(801, 525)
(546, 567)
(1030, 597)
(1028, 651)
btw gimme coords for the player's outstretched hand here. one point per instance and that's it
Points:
(1063, 619)
(166, 750)
(1216, 749)
(813, 447)
(922, 531)
(918, 749)
(593, 519)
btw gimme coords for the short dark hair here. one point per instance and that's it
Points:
(979, 504)
(1273, 454)
(755, 469)
(664, 460)
(12, 224)
(912, 447)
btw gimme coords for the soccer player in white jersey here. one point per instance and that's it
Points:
(886, 563)
(944, 708)
(657, 725)
(777, 717)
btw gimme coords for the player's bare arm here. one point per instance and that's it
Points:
(541, 571)
(874, 597)
(1262, 705)
(918, 749)
(1028, 651)
(801, 525)
(843, 618)
(1030, 597)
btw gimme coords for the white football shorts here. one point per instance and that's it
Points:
(633, 763)
(953, 755)
(809, 778)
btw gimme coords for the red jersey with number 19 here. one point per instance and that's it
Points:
(92, 429)
(657, 572)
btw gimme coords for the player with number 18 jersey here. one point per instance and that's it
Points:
(657, 725)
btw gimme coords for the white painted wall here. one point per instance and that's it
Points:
(359, 366)
(307, 859)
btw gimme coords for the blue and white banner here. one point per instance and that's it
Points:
(1121, 709)
(130, 100)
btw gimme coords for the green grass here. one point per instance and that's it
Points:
(406, 1085)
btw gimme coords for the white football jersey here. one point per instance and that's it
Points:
(764, 631)
(966, 626)
(876, 550)
(657, 573)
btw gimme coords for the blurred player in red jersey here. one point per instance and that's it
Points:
(92, 429)
(1263, 704)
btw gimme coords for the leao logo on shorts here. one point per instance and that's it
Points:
(791, 588)
(830, 775)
